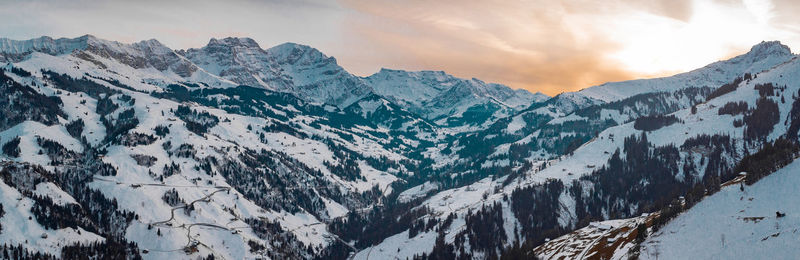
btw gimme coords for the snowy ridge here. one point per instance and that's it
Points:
(45, 44)
(140, 55)
(435, 94)
(761, 57)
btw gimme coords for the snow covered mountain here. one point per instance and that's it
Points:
(292, 68)
(230, 150)
(140, 55)
(310, 74)
(449, 100)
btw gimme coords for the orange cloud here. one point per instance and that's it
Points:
(547, 46)
(522, 45)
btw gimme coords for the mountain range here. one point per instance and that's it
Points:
(233, 151)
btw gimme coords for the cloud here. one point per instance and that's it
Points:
(556, 46)
(541, 46)
(676, 9)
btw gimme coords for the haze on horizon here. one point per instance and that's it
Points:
(547, 46)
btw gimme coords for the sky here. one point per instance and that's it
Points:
(542, 46)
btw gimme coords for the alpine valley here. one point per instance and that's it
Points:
(232, 151)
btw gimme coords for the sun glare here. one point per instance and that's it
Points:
(655, 45)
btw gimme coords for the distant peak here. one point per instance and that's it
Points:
(90, 40)
(153, 46)
(234, 42)
(537, 93)
(293, 51)
(86, 37)
(420, 73)
(291, 47)
(766, 48)
(386, 70)
(151, 42)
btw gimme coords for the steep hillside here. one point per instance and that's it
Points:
(739, 221)
(252, 169)
(744, 222)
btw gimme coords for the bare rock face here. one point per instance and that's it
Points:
(240, 60)
(294, 68)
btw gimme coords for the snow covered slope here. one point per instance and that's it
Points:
(736, 224)
(241, 170)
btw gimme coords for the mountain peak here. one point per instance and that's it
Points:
(153, 46)
(768, 48)
(151, 42)
(234, 42)
(387, 70)
(290, 47)
(293, 52)
(433, 74)
(86, 38)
